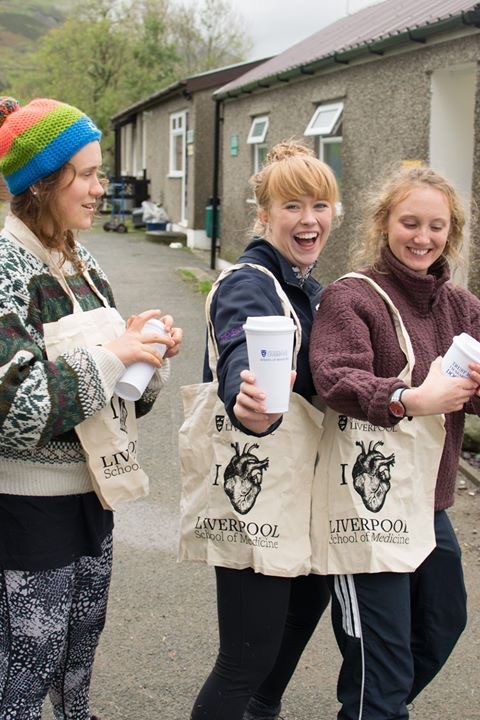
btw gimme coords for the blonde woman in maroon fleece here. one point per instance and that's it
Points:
(396, 630)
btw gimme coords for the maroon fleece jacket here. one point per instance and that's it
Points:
(356, 359)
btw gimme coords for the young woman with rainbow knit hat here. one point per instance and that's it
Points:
(55, 533)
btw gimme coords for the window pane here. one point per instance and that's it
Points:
(178, 152)
(260, 155)
(325, 119)
(178, 132)
(332, 155)
(258, 130)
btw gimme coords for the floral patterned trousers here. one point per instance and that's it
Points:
(50, 625)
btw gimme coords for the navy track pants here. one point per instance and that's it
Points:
(396, 630)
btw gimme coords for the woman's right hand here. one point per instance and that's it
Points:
(249, 407)
(133, 346)
(439, 393)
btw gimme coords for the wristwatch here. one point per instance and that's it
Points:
(396, 406)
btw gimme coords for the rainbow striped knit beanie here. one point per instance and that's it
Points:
(37, 139)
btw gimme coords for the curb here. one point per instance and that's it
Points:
(166, 237)
(469, 471)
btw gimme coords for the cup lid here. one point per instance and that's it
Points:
(269, 323)
(468, 345)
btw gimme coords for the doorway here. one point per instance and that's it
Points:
(452, 136)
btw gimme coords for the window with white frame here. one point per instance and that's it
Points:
(178, 123)
(326, 124)
(256, 138)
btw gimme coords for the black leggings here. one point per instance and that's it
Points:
(265, 623)
(50, 624)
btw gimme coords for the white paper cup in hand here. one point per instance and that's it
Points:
(463, 350)
(270, 349)
(136, 377)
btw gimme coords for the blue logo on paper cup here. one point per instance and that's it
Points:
(274, 355)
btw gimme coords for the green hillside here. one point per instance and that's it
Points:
(21, 26)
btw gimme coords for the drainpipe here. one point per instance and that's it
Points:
(216, 173)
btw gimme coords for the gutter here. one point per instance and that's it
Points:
(420, 34)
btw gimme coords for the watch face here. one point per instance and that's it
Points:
(396, 408)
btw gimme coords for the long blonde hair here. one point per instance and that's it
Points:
(291, 170)
(366, 253)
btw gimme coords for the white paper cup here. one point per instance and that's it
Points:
(270, 348)
(463, 350)
(136, 377)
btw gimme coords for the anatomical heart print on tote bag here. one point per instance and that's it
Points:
(374, 488)
(246, 500)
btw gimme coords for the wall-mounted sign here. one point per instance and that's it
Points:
(234, 145)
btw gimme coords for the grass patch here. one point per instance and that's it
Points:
(196, 278)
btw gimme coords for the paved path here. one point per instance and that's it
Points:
(161, 636)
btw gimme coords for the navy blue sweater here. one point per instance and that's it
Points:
(249, 292)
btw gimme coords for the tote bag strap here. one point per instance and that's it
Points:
(400, 329)
(286, 305)
(40, 251)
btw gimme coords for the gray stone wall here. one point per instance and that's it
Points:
(164, 189)
(386, 119)
(200, 182)
(157, 152)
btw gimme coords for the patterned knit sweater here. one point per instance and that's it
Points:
(42, 401)
(355, 356)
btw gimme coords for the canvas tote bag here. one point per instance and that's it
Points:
(110, 437)
(245, 500)
(373, 495)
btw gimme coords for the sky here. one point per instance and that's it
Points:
(275, 25)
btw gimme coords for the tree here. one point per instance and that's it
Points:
(209, 37)
(80, 62)
(155, 61)
(109, 54)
